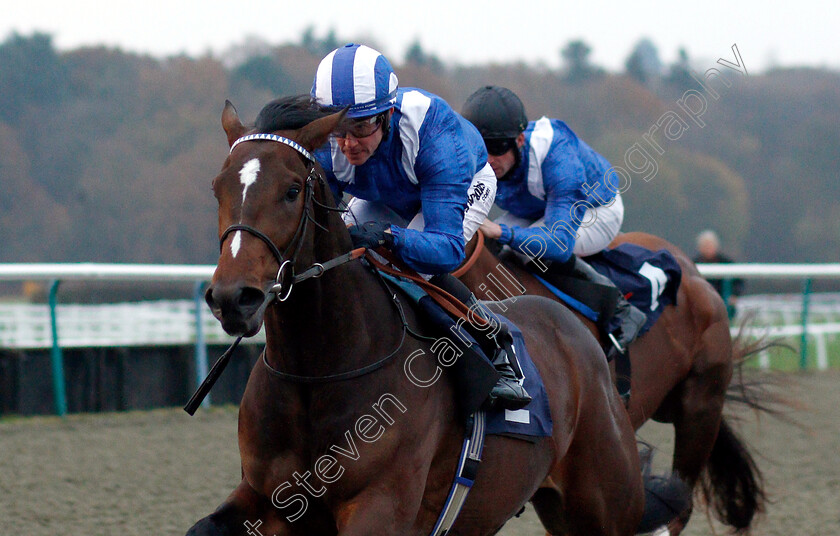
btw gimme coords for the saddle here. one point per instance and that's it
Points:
(649, 280)
(473, 372)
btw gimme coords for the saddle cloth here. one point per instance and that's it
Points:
(532, 421)
(647, 279)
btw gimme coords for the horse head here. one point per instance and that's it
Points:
(265, 192)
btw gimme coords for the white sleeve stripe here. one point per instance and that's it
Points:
(414, 107)
(540, 142)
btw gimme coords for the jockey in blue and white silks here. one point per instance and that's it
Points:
(561, 187)
(561, 196)
(420, 179)
(423, 168)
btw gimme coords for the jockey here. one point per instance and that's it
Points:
(418, 174)
(561, 198)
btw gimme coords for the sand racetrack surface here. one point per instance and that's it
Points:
(157, 472)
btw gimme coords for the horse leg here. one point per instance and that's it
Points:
(707, 446)
(548, 503)
(699, 415)
(603, 490)
(394, 513)
(600, 491)
(244, 512)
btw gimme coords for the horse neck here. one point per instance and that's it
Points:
(338, 322)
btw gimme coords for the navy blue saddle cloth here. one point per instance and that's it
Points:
(532, 421)
(648, 279)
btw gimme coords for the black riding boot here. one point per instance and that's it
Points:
(632, 319)
(508, 393)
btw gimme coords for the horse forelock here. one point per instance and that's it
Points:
(251, 169)
(289, 113)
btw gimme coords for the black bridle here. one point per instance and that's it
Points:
(287, 278)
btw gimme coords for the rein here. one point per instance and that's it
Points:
(479, 246)
(450, 303)
(286, 279)
(355, 373)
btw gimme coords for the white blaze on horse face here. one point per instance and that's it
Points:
(247, 176)
(235, 243)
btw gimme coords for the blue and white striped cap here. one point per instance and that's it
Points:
(356, 76)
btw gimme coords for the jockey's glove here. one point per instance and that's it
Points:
(371, 235)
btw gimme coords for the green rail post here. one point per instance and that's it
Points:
(726, 294)
(200, 341)
(803, 344)
(56, 356)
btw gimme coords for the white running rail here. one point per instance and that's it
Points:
(172, 322)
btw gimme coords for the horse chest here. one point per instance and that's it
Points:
(321, 452)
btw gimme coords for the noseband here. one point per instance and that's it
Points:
(286, 277)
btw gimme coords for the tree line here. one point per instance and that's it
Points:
(107, 156)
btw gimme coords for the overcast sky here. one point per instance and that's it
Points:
(804, 32)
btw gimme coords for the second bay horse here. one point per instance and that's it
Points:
(681, 370)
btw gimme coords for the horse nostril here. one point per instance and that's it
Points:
(208, 297)
(233, 301)
(251, 298)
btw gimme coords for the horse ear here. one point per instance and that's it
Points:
(316, 133)
(231, 123)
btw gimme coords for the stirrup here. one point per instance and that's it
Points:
(632, 322)
(616, 353)
(615, 345)
(509, 392)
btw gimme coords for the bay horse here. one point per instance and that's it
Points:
(334, 439)
(681, 370)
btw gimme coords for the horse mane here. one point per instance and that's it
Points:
(289, 113)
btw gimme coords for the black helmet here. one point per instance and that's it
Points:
(497, 113)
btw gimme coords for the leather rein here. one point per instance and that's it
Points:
(286, 276)
(479, 247)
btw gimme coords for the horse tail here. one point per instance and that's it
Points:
(732, 482)
(759, 391)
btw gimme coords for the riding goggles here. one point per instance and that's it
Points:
(498, 147)
(359, 128)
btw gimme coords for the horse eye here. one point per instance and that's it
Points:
(292, 194)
